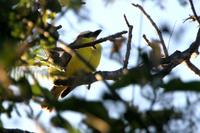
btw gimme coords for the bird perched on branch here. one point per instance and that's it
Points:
(156, 53)
(72, 64)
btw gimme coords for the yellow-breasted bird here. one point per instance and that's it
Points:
(72, 65)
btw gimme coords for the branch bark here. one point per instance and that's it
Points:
(194, 11)
(128, 48)
(155, 26)
(193, 67)
(4, 130)
(169, 63)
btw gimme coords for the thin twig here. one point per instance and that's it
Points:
(147, 40)
(89, 44)
(128, 48)
(194, 11)
(193, 67)
(155, 26)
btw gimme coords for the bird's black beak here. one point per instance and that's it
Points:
(91, 34)
(96, 33)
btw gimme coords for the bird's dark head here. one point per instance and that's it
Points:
(89, 34)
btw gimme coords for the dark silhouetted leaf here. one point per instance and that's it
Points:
(179, 85)
(183, 2)
(25, 88)
(58, 121)
(159, 118)
(72, 4)
(137, 75)
(134, 118)
(53, 5)
(80, 105)
(7, 52)
(166, 29)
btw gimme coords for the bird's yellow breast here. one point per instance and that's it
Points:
(90, 54)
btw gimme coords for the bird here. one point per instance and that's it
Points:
(155, 53)
(72, 65)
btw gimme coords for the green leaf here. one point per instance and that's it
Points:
(25, 88)
(137, 75)
(179, 85)
(53, 5)
(155, 118)
(159, 118)
(134, 118)
(36, 90)
(59, 121)
(72, 4)
(2, 109)
(80, 105)
(7, 52)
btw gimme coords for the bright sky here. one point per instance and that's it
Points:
(110, 19)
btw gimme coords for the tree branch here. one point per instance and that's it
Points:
(90, 78)
(89, 44)
(155, 26)
(147, 40)
(194, 11)
(193, 67)
(4, 130)
(128, 48)
(178, 57)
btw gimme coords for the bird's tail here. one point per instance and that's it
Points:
(62, 91)
(58, 91)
